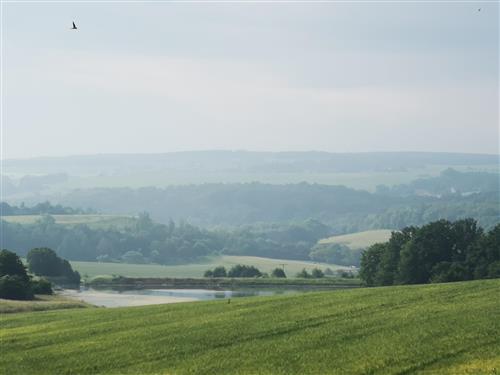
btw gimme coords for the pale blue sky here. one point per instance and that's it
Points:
(292, 76)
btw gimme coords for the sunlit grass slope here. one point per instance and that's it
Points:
(447, 328)
(359, 240)
(292, 267)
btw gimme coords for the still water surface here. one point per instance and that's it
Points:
(110, 298)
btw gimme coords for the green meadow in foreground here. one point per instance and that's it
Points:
(441, 328)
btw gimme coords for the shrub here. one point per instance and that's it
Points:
(346, 274)
(11, 264)
(219, 272)
(244, 271)
(41, 286)
(317, 273)
(304, 274)
(208, 273)
(279, 273)
(15, 287)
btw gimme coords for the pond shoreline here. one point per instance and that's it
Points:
(220, 283)
(112, 299)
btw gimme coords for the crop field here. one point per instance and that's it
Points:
(440, 328)
(292, 267)
(359, 240)
(93, 221)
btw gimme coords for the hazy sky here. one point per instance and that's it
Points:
(292, 76)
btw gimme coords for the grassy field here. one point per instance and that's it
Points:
(193, 270)
(93, 221)
(359, 240)
(40, 303)
(441, 328)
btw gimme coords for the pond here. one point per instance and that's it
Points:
(111, 298)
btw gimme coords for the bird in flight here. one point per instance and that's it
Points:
(74, 27)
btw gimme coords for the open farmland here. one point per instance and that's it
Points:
(359, 240)
(93, 221)
(292, 267)
(441, 328)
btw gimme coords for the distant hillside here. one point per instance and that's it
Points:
(248, 161)
(38, 178)
(346, 210)
(449, 182)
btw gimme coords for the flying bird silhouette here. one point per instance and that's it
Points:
(74, 27)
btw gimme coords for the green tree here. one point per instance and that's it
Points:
(11, 264)
(219, 271)
(316, 273)
(303, 274)
(370, 263)
(431, 244)
(15, 287)
(41, 286)
(484, 254)
(14, 280)
(44, 261)
(244, 271)
(444, 272)
(208, 273)
(388, 269)
(278, 273)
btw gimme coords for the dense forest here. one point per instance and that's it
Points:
(440, 251)
(345, 210)
(148, 242)
(280, 221)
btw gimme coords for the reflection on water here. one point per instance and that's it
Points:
(111, 298)
(206, 294)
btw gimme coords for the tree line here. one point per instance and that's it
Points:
(441, 251)
(144, 241)
(240, 270)
(346, 210)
